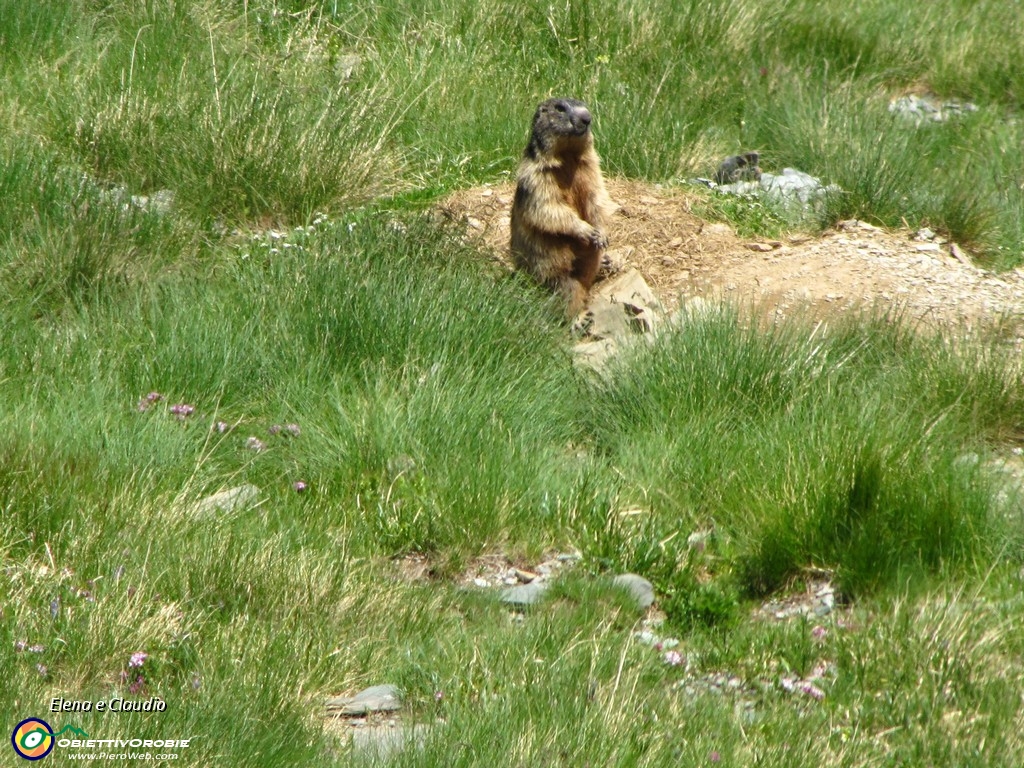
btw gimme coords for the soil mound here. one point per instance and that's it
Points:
(855, 266)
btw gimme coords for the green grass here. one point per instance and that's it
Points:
(295, 279)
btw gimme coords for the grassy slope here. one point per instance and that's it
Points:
(439, 410)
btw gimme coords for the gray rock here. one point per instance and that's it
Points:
(794, 193)
(620, 310)
(377, 698)
(857, 224)
(228, 502)
(527, 594)
(386, 741)
(615, 259)
(646, 637)
(620, 307)
(161, 201)
(639, 588)
(928, 109)
(743, 188)
(794, 186)
(594, 354)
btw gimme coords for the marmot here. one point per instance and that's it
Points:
(739, 168)
(560, 205)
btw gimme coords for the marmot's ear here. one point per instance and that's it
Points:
(752, 157)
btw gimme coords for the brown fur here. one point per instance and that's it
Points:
(560, 205)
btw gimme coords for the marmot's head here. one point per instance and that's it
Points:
(739, 168)
(560, 125)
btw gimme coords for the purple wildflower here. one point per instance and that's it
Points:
(182, 410)
(819, 633)
(137, 659)
(135, 687)
(673, 658)
(42, 669)
(806, 687)
(292, 429)
(714, 757)
(810, 689)
(222, 427)
(35, 648)
(20, 645)
(274, 429)
(299, 486)
(255, 444)
(148, 400)
(438, 695)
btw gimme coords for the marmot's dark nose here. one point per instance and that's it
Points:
(583, 115)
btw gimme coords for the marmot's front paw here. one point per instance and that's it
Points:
(598, 239)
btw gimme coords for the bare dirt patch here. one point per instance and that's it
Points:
(853, 267)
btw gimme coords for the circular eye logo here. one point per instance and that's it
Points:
(32, 738)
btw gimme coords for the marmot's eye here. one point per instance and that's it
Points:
(560, 107)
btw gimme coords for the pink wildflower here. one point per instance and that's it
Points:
(810, 689)
(255, 444)
(182, 410)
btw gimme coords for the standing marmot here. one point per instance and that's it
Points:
(558, 215)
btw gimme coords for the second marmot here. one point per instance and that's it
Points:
(560, 205)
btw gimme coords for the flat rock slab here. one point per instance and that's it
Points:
(620, 309)
(378, 698)
(385, 741)
(380, 742)
(922, 109)
(527, 594)
(228, 502)
(639, 588)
